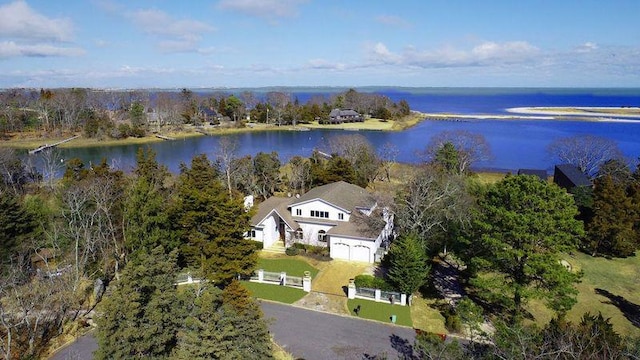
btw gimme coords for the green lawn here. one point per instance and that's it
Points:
(293, 267)
(381, 311)
(283, 294)
(620, 300)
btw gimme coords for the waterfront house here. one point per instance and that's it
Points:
(569, 176)
(339, 116)
(330, 215)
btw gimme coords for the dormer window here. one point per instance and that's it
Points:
(320, 214)
(298, 212)
(340, 216)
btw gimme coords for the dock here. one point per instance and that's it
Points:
(47, 146)
(164, 137)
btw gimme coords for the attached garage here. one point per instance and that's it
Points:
(339, 251)
(361, 253)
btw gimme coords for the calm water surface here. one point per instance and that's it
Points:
(515, 143)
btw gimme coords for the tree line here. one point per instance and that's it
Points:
(135, 113)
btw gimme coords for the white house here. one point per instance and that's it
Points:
(325, 216)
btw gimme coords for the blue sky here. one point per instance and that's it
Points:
(254, 43)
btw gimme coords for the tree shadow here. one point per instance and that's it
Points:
(630, 310)
(402, 346)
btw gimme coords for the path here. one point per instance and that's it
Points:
(327, 287)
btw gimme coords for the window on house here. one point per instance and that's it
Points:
(299, 234)
(319, 214)
(299, 212)
(340, 216)
(251, 233)
(322, 236)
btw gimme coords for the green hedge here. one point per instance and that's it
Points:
(372, 282)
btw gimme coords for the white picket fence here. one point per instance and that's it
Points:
(391, 297)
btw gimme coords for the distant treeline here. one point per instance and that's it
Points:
(124, 113)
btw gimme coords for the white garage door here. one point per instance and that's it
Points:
(360, 253)
(339, 251)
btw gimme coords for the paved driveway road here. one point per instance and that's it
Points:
(314, 335)
(306, 334)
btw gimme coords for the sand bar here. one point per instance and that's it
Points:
(613, 112)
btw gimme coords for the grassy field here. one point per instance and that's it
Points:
(381, 311)
(283, 294)
(293, 267)
(608, 286)
(426, 317)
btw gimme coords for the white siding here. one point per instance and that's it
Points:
(269, 231)
(310, 233)
(319, 206)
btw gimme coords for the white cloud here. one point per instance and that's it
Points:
(269, 9)
(483, 54)
(176, 35)
(12, 49)
(19, 21)
(322, 64)
(586, 47)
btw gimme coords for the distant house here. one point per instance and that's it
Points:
(325, 216)
(209, 115)
(339, 116)
(541, 174)
(569, 176)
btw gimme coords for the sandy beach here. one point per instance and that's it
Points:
(575, 113)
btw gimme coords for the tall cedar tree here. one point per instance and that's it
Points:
(611, 230)
(522, 227)
(16, 225)
(140, 318)
(211, 224)
(408, 264)
(147, 222)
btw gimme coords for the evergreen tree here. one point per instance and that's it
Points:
(16, 225)
(140, 318)
(448, 158)
(222, 325)
(408, 264)
(212, 224)
(522, 227)
(147, 222)
(611, 231)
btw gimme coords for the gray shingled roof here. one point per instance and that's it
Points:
(342, 194)
(280, 204)
(572, 173)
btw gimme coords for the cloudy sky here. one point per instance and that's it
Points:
(252, 43)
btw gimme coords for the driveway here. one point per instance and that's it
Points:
(315, 335)
(307, 334)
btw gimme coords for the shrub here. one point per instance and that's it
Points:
(292, 251)
(372, 282)
(453, 323)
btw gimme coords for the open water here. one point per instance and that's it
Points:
(515, 144)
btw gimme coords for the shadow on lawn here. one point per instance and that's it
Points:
(630, 310)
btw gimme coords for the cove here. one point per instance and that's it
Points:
(515, 144)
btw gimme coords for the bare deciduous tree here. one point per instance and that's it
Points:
(471, 148)
(587, 152)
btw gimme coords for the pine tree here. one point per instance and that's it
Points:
(222, 325)
(212, 224)
(16, 225)
(523, 226)
(408, 264)
(611, 231)
(140, 318)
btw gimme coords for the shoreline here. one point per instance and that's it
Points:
(29, 141)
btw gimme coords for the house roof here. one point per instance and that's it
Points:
(542, 174)
(342, 194)
(278, 204)
(345, 112)
(571, 173)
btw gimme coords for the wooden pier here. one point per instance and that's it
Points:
(47, 146)
(164, 137)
